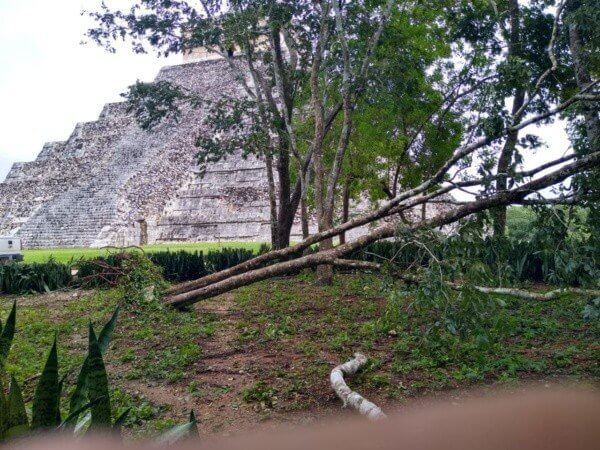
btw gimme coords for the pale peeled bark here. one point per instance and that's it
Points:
(529, 295)
(347, 395)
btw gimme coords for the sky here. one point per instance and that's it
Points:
(49, 81)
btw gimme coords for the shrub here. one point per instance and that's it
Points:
(216, 261)
(181, 265)
(18, 278)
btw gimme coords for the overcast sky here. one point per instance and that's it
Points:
(49, 81)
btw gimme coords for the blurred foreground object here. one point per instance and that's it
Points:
(565, 419)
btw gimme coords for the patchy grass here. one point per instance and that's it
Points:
(66, 255)
(265, 351)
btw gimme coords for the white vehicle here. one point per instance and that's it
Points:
(10, 249)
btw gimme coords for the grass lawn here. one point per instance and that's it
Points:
(66, 255)
(262, 354)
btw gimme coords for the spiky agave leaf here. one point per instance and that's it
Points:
(3, 411)
(17, 415)
(46, 399)
(80, 395)
(8, 332)
(77, 413)
(98, 385)
(120, 421)
(194, 429)
(179, 432)
(17, 420)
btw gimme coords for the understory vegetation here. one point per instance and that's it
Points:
(265, 351)
(550, 245)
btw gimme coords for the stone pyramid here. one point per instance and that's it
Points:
(112, 183)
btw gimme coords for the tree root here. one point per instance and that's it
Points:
(347, 395)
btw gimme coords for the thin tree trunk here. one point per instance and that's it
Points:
(507, 153)
(304, 218)
(272, 199)
(325, 273)
(284, 224)
(345, 207)
(583, 78)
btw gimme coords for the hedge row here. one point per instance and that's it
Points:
(569, 262)
(563, 262)
(19, 278)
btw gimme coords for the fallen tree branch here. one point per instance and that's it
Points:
(387, 230)
(355, 264)
(529, 295)
(347, 395)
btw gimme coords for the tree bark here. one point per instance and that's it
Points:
(345, 207)
(284, 225)
(347, 395)
(304, 218)
(507, 153)
(589, 109)
(272, 199)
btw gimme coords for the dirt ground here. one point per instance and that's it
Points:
(260, 357)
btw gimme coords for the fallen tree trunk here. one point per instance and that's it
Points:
(403, 201)
(347, 395)
(228, 283)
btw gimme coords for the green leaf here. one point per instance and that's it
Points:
(46, 398)
(107, 331)
(194, 431)
(122, 418)
(77, 413)
(179, 432)
(80, 395)
(16, 432)
(120, 421)
(98, 385)
(8, 333)
(82, 424)
(17, 415)
(3, 411)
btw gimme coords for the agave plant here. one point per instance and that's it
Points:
(89, 405)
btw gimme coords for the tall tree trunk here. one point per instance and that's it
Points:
(507, 153)
(589, 109)
(304, 218)
(272, 198)
(284, 222)
(345, 207)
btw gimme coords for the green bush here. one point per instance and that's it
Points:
(558, 251)
(181, 265)
(176, 267)
(18, 278)
(216, 261)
